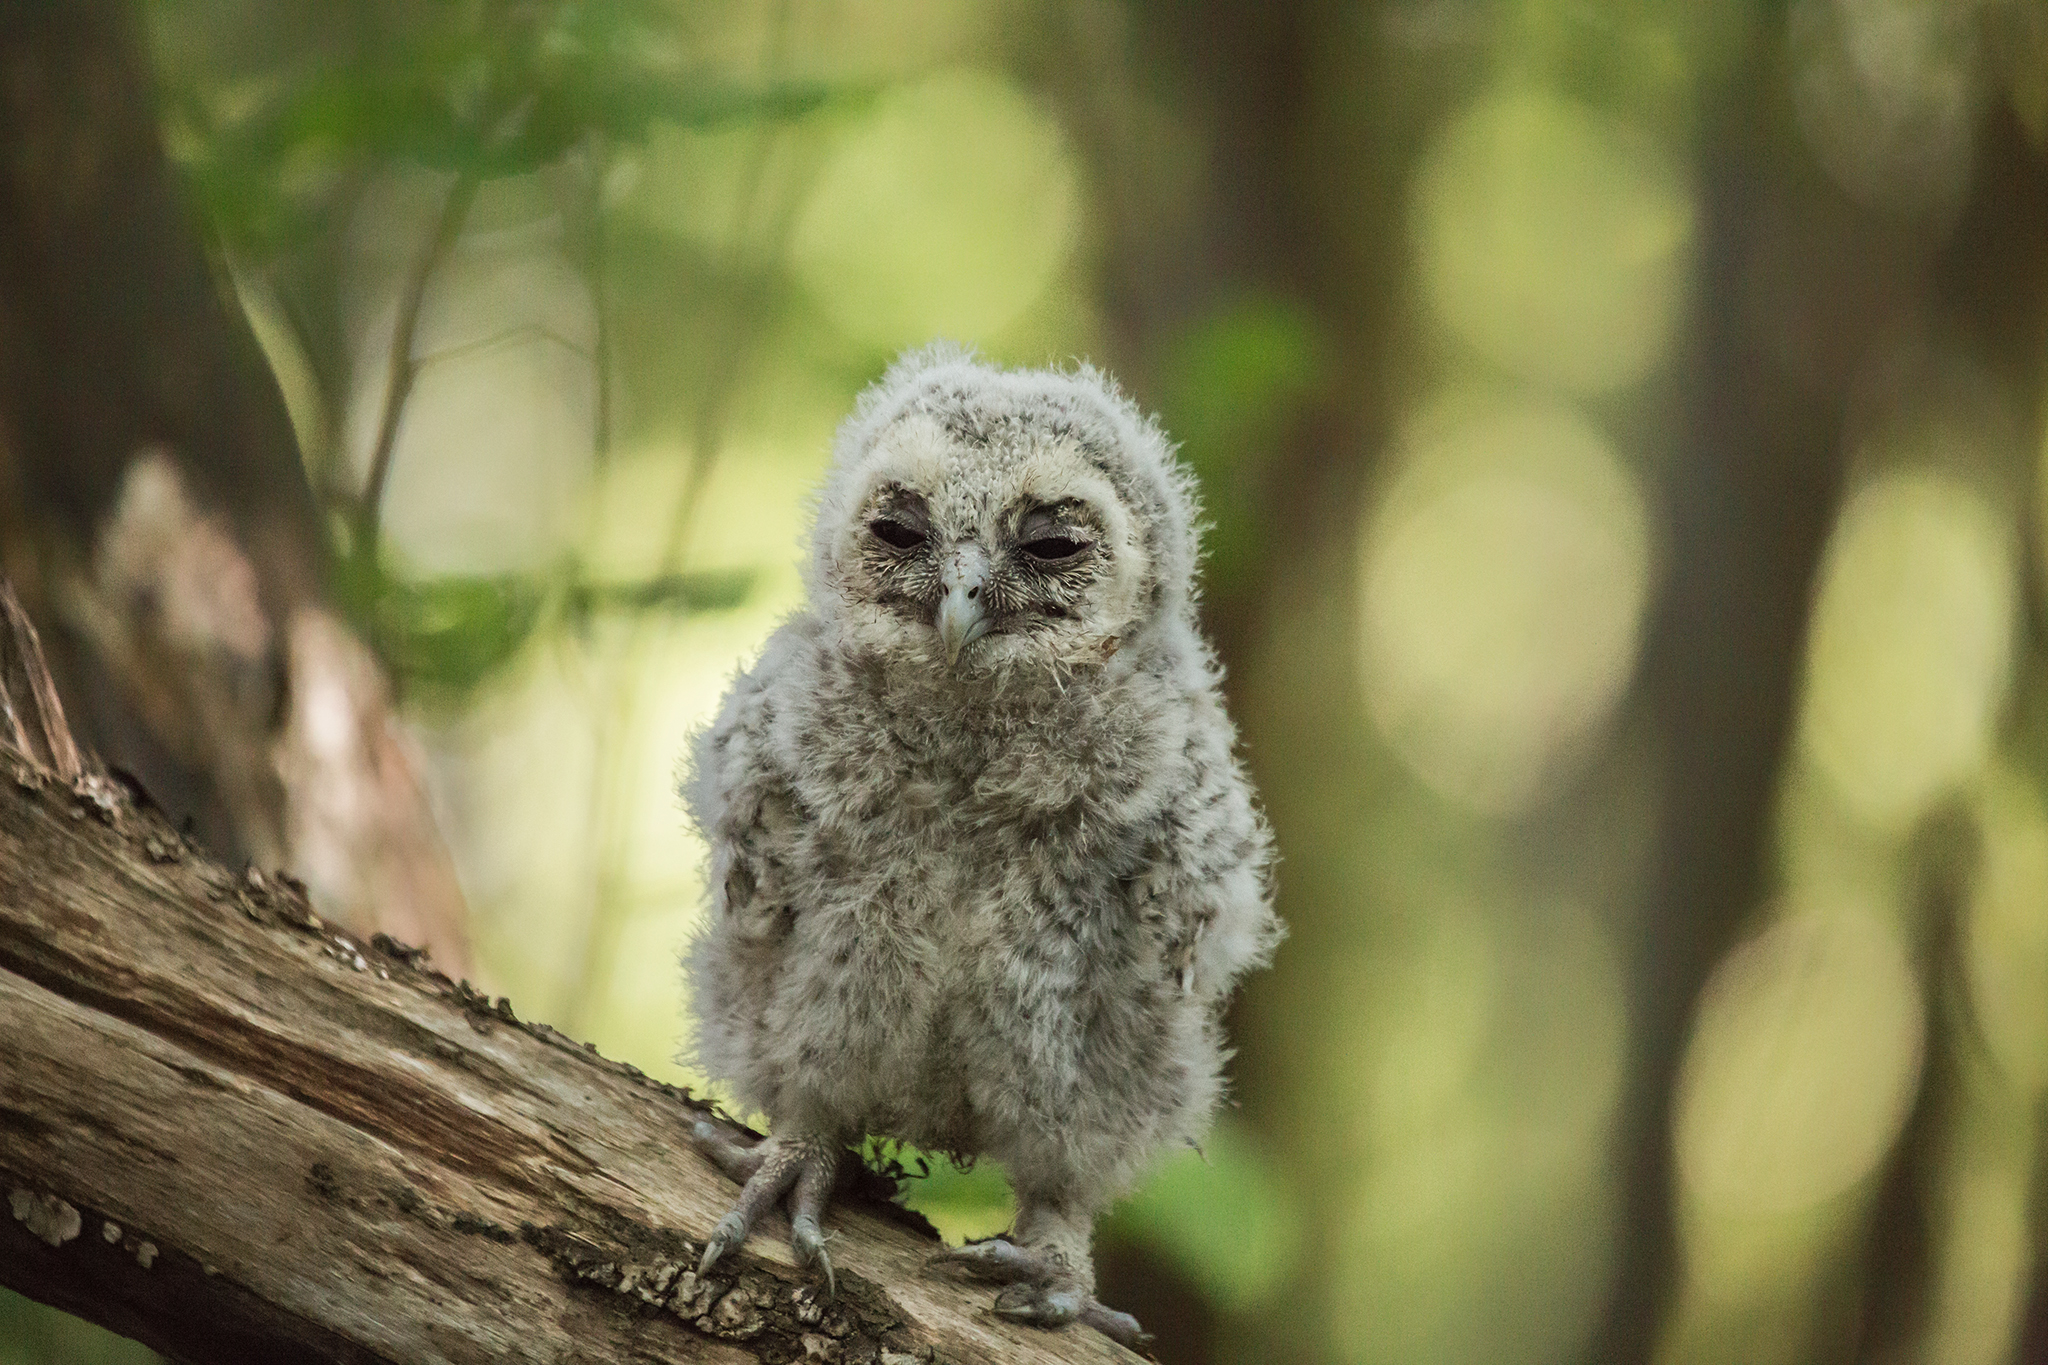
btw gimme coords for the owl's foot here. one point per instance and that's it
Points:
(1041, 1291)
(1044, 1306)
(805, 1169)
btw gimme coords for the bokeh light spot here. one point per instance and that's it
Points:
(1982, 1248)
(1910, 645)
(946, 213)
(2005, 932)
(1484, 1216)
(1438, 1003)
(1802, 1065)
(1502, 590)
(1554, 240)
(1888, 94)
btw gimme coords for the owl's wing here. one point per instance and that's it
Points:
(743, 803)
(1208, 892)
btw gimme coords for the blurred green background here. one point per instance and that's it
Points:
(1620, 424)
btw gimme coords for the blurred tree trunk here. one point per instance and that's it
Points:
(1747, 504)
(1860, 298)
(154, 512)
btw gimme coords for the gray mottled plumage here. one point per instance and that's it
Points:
(984, 868)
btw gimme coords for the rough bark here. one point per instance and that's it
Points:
(236, 1133)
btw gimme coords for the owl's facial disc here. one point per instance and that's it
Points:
(988, 561)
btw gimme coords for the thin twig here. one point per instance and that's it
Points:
(609, 835)
(708, 435)
(403, 368)
(510, 336)
(601, 340)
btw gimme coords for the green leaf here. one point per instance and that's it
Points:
(716, 590)
(962, 1202)
(490, 93)
(444, 636)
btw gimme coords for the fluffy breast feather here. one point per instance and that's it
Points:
(900, 890)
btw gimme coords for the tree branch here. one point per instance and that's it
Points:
(236, 1134)
(402, 366)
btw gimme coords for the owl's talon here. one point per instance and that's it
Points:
(805, 1169)
(1121, 1328)
(730, 1232)
(1035, 1294)
(1043, 1305)
(1040, 1305)
(995, 1259)
(807, 1240)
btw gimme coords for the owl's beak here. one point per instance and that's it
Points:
(963, 618)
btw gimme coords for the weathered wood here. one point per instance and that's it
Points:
(31, 712)
(235, 1133)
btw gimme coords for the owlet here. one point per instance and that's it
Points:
(984, 865)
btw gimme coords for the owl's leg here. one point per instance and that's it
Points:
(739, 1160)
(805, 1168)
(1045, 1263)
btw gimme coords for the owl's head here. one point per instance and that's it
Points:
(997, 523)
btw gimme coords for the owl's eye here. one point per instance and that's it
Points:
(894, 533)
(1054, 549)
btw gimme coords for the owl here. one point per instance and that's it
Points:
(984, 866)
